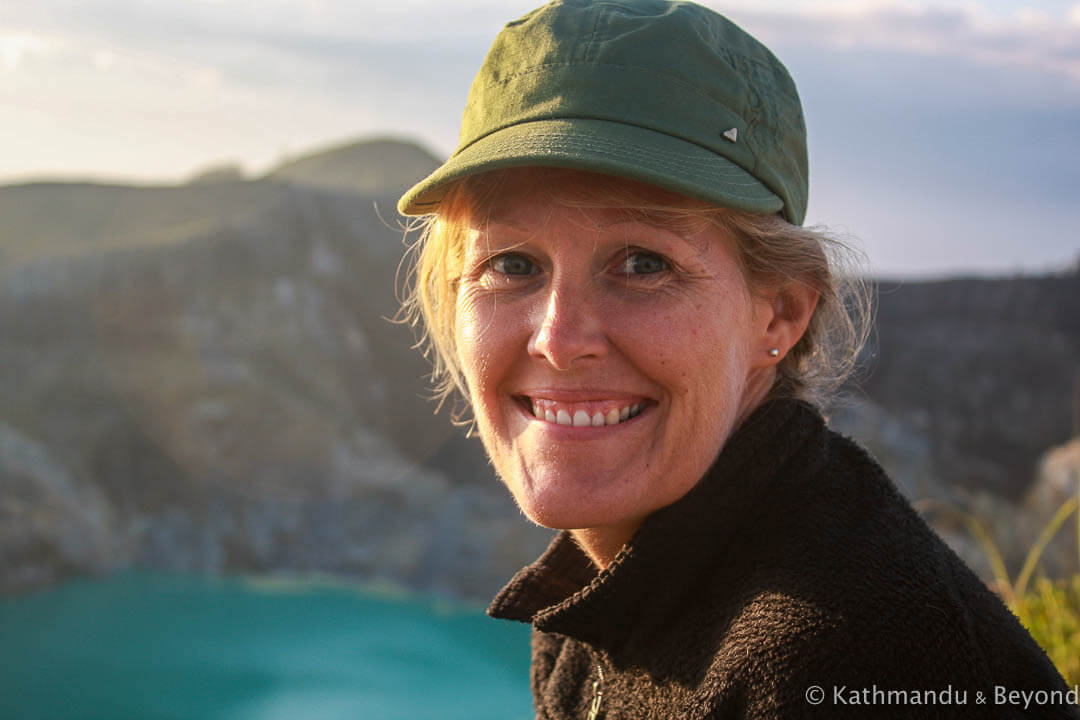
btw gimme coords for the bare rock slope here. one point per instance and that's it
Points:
(233, 398)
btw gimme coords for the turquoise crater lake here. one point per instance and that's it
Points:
(165, 646)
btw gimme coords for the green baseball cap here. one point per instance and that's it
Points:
(667, 93)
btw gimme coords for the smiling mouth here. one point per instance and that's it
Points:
(595, 413)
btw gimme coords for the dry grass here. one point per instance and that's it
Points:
(1049, 609)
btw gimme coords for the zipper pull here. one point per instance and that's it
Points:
(598, 694)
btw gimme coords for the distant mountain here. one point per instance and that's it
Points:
(218, 174)
(49, 219)
(44, 218)
(366, 167)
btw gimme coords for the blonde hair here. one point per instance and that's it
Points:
(770, 251)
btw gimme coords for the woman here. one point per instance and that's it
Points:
(614, 277)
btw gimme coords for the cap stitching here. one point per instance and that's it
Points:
(592, 37)
(659, 74)
(659, 160)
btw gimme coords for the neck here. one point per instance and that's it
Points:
(602, 544)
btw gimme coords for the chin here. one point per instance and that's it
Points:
(562, 503)
(557, 518)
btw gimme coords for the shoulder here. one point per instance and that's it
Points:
(846, 586)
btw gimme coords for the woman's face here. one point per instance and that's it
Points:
(608, 357)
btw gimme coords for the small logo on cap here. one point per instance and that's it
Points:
(732, 134)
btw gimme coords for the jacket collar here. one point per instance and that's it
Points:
(562, 592)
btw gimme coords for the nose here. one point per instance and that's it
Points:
(570, 328)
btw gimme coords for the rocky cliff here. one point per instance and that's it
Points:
(982, 367)
(233, 397)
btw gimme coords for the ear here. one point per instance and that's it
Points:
(786, 312)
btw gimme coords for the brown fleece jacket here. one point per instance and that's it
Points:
(793, 565)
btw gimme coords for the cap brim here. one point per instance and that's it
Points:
(606, 147)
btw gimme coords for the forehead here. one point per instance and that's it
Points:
(523, 195)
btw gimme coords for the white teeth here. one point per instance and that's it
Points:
(581, 418)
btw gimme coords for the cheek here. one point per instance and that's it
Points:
(469, 334)
(701, 353)
(484, 345)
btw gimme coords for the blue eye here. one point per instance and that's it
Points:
(644, 263)
(513, 264)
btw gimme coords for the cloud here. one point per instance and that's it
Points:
(15, 48)
(1028, 37)
(331, 34)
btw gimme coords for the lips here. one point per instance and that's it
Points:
(593, 413)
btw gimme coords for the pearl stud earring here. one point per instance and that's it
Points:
(774, 352)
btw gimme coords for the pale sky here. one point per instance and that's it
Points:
(945, 136)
